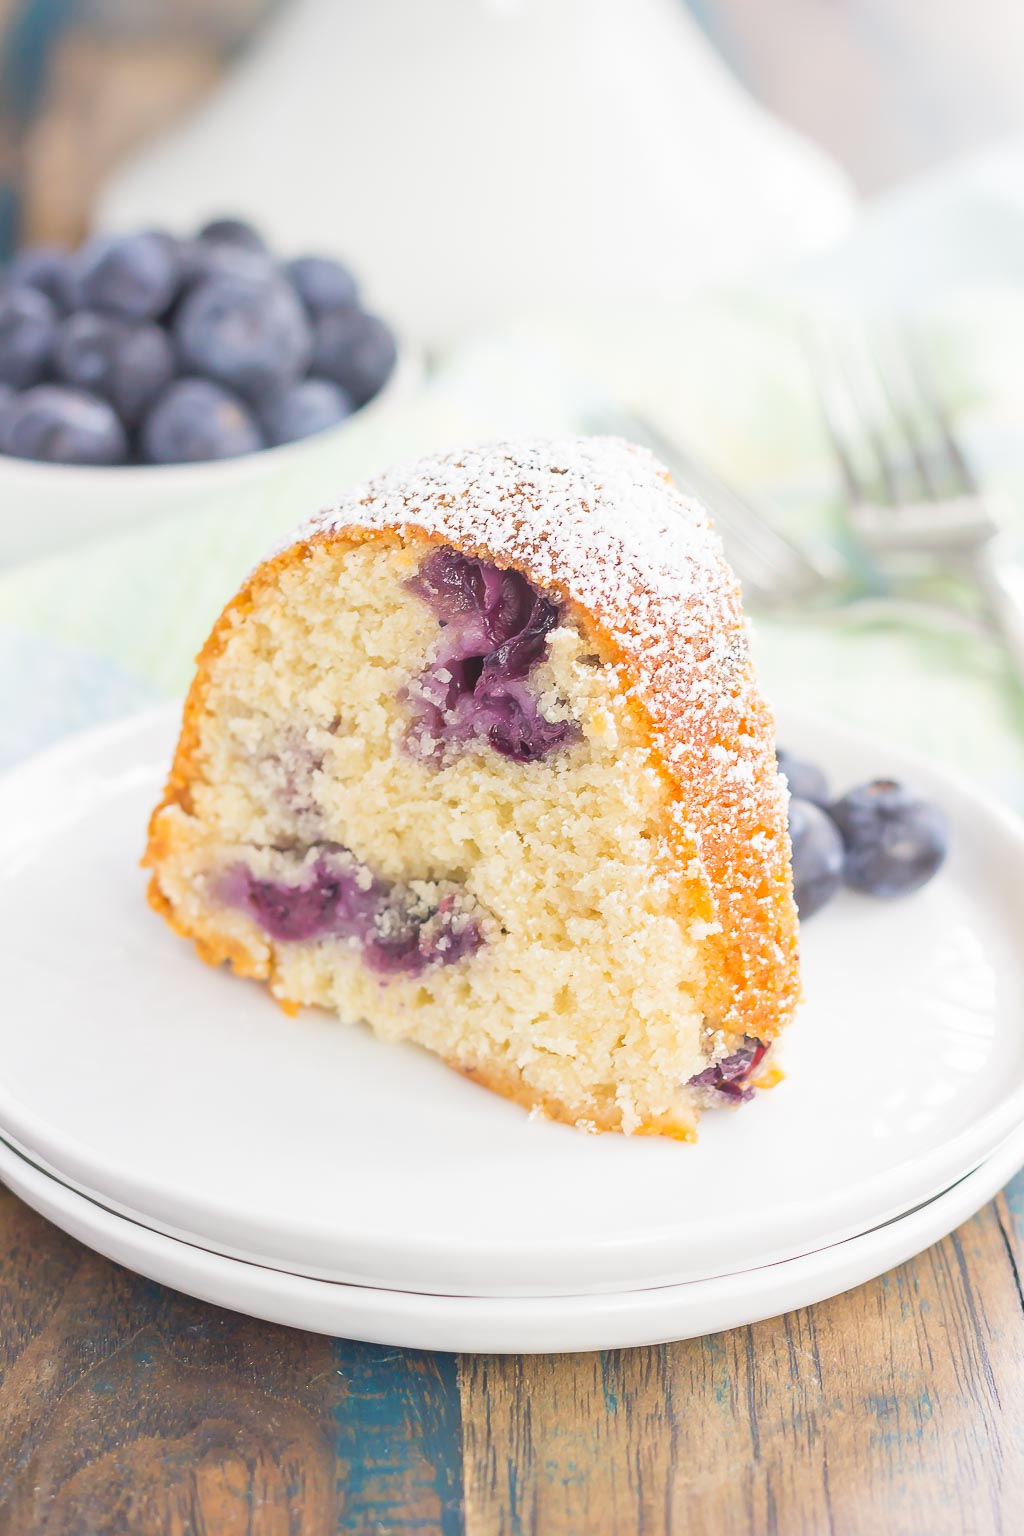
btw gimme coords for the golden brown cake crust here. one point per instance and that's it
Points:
(598, 523)
(680, 1125)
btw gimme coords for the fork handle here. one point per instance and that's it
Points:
(1001, 580)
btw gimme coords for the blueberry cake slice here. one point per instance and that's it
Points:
(479, 759)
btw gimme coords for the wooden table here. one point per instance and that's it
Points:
(896, 1410)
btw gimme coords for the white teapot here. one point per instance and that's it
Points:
(475, 157)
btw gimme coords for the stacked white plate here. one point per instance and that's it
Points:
(300, 1170)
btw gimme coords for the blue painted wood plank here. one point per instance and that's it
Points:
(1014, 1193)
(398, 1441)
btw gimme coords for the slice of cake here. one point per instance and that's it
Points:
(480, 760)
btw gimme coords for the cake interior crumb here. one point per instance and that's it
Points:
(588, 990)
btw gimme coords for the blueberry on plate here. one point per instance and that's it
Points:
(127, 362)
(58, 425)
(28, 334)
(252, 337)
(323, 285)
(232, 232)
(356, 350)
(806, 780)
(46, 267)
(817, 856)
(894, 841)
(135, 276)
(312, 405)
(195, 420)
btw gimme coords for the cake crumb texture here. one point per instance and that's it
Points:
(632, 890)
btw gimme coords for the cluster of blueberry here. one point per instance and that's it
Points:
(878, 838)
(151, 349)
(495, 632)
(341, 899)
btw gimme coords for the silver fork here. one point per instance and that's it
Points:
(778, 575)
(910, 490)
(776, 572)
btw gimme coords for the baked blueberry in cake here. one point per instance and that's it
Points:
(480, 760)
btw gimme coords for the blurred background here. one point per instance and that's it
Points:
(890, 87)
(780, 241)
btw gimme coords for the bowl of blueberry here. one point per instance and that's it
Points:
(145, 369)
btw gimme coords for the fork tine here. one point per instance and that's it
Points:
(867, 391)
(894, 376)
(840, 404)
(938, 412)
(766, 558)
(879, 378)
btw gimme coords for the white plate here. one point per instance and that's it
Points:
(517, 1325)
(184, 1095)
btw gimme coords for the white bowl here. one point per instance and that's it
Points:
(47, 507)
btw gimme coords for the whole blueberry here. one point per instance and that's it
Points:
(356, 350)
(205, 259)
(232, 232)
(817, 856)
(46, 267)
(309, 406)
(135, 276)
(58, 425)
(7, 398)
(28, 334)
(252, 337)
(806, 780)
(194, 420)
(894, 841)
(127, 362)
(322, 284)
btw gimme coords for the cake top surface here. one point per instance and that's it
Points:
(598, 520)
(590, 513)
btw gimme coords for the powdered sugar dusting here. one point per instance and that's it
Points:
(597, 522)
(575, 508)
